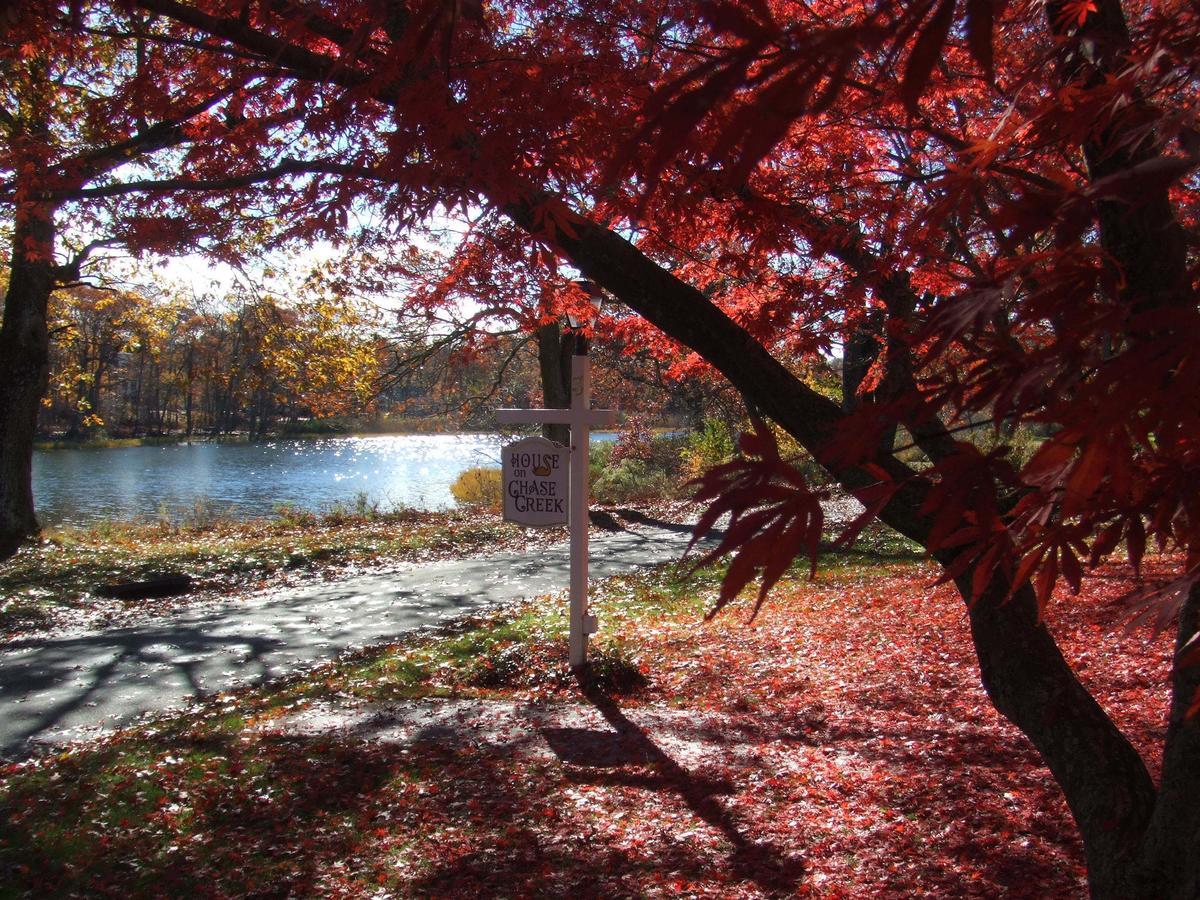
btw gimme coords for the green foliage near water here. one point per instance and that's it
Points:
(631, 480)
(317, 428)
(638, 466)
(710, 445)
(102, 442)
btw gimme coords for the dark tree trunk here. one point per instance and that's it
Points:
(187, 391)
(861, 350)
(187, 407)
(224, 420)
(554, 362)
(252, 418)
(1104, 780)
(137, 405)
(25, 352)
(1146, 242)
(1026, 677)
(1142, 234)
(94, 391)
(1168, 862)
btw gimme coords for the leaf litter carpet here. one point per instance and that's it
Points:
(839, 746)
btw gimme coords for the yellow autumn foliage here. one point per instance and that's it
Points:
(478, 488)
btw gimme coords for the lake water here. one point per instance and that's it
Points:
(82, 486)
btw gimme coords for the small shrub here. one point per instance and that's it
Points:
(365, 507)
(714, 444)
(361, 509)
(162, 518)
(293, 516)
(598, 458)
(628, 480)
(203, 514)
(711, 446)
(336, 513)
(317, 427)
(478, 488)
(1022, 443)
(634, 442)
(665, 450)
(801, 460)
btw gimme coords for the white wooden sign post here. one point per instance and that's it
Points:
(581, 417)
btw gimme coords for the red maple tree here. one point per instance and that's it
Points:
(991, 208)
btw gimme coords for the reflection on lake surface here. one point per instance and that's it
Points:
(245, 480)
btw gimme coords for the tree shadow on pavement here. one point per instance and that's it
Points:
(71, 674)
(640, 518)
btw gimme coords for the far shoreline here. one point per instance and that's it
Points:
(242, 437)
(235, 437)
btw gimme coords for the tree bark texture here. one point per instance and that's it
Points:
(554, 362)
(24, 370)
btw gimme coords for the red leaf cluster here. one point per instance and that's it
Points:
(774, 517)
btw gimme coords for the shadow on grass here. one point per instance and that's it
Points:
(219, 814)
(209, 816)
(83, 575)
(967, 782)
(755, 861)
(859, 553)
(214, 813)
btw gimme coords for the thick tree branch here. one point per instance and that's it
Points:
(299, 61)
(70, 271)
(1174, 831)
(249, 179)
(685, 314)
(1024, 672)
(159, 136)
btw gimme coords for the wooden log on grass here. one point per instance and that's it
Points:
(164, 586)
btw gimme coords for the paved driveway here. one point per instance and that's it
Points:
(60, 689)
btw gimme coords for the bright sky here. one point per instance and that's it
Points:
(200, 275)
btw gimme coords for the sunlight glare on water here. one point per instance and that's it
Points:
(246, 480)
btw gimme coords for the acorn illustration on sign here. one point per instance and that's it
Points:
(541, 471)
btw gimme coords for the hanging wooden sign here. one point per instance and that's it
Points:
(535, 481)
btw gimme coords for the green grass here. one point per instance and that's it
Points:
(223, 555)
(878, 548)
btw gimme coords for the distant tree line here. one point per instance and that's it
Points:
(126, 363)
